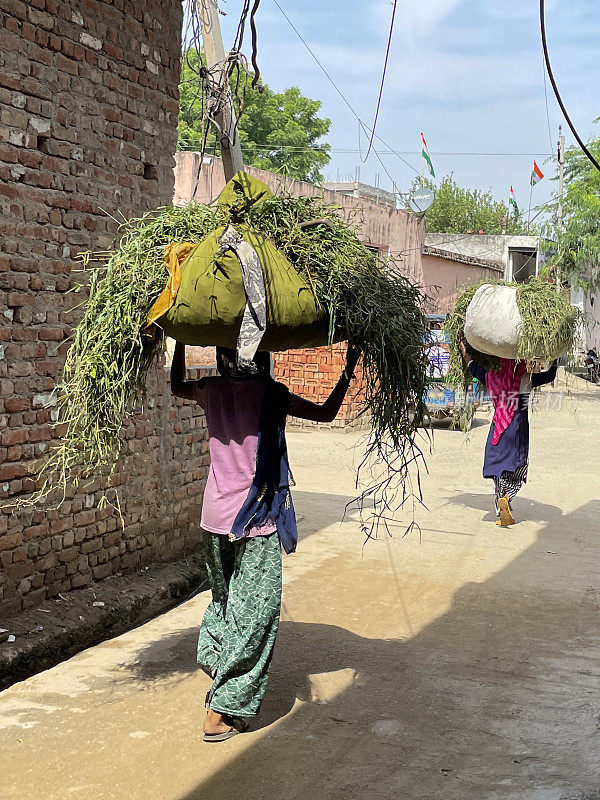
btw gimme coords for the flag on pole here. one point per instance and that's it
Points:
(536, 174)
(426, 157)
(512, 200)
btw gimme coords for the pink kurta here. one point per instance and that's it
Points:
(232, 414)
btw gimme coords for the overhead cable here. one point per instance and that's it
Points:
(555, 88)
(383, 74)
(341, 94)
(546, 102)
(351, 151)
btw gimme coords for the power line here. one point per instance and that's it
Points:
(546, 101)
(341, 94)
(383, 74)
(458, 153)
(351, 151)
(555, 88)
(335, 86)
(390, 151)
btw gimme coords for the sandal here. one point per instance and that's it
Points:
(506, 517)
(238, 725)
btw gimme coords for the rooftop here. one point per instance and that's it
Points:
(461, 258)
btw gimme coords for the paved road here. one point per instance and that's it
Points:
(461, 663)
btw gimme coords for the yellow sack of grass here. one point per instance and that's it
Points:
(204, 301)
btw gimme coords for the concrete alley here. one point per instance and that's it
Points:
(461, 661)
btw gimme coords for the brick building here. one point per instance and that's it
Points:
(88, 115)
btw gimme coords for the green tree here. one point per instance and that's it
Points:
(458, 210)
(577, 251)
(280, 132)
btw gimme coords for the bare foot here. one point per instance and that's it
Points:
(214, 723)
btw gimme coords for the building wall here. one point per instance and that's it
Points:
(88, 115)
(589, 331)
(395, 231)
(442, 278)
(313, 372)
(489, 247)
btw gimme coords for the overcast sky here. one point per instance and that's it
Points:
(468, 73)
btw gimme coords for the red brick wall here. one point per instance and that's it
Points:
(88, 115)
(313, 372)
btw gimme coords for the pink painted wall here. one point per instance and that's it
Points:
(398, 232)
(442, 278)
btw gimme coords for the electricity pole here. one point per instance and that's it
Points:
(561, 170)
(214, 52)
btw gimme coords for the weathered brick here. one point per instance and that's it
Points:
(84, 518)
(36, 531)
(91, 546)
(46, 562)
(40, 19)
(18, 299)
(81, 580)
(9, 472)
(68, 554)
(15, 7)
(22, 569)
(12, 437)
(57, 94)
(102, 571)
(9, 541)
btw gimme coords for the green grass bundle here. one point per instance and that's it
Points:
(105, 371)
(548, 325)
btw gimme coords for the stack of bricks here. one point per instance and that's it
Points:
(313, 372)
(88, 116)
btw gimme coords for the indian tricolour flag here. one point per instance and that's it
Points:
(536, 174)
(513, 202)
(426, 157)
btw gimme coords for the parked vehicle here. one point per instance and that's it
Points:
(592, 364)
(443, 400)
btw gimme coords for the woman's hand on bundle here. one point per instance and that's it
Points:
(327, 411)
(463, 350)
(353, 355)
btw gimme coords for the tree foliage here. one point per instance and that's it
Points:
(280, 132)
(458, 210)
(576, 252)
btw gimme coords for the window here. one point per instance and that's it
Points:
(522, 262)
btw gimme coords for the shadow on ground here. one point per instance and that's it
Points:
(497, 699)
(316, 511)
(524, 508)
(176, 655)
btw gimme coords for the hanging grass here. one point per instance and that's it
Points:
(104, 375)
(548, 325)
(368, 302)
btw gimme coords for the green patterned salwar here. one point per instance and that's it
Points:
(238, 631)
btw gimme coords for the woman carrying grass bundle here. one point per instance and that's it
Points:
(248, 515)
(506, 457)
